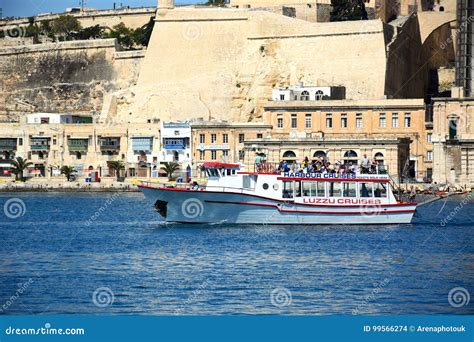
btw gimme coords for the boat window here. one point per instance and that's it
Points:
(297, 189)
(287, 189)
(365, 190)
(276, 186)
(349, 189)
(380, 190)
(212, 173)
(314, 187)
(307, 189)
(246, 182)
(334, 189)
(320, 189)
(265, 186)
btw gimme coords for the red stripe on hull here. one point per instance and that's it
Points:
(314, 212)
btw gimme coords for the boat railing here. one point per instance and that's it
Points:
(190, 187)
(267, 167)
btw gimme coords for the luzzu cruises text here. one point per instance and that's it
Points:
(232, 195)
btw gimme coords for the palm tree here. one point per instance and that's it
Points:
(68, 171)
(170, 168)
(116, 165)
(18, 166)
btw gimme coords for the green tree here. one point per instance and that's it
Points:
(46, 29)
(343, 10)
(123, 34)
(116, 165)
(64, 25)
(141, 36)
(91, 32)
(219, 3)
(18, 166)
(68, 171)
(170, 168)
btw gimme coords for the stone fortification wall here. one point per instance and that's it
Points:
(223, 63)
(63, 77)
(131, 17)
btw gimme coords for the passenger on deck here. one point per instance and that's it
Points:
(284, 166)
(258, 162)
(352, 168)
(195, 186)
(365, 164)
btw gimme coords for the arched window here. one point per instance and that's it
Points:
(304, 96)
(78, 155)
(319, 154)
(289, 156)
(91, 168)
(441, 9)
(350, 157)
(319, 95)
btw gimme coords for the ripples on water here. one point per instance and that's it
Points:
(155, 268)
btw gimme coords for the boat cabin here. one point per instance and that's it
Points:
(304, 188)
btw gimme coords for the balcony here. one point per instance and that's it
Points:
(78, 145)
(44, 147)
(142, 144)
(7, 144)
(109, 144)
(39, 144)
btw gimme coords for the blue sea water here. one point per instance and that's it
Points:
(105, 253)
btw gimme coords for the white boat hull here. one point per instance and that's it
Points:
(186, 206)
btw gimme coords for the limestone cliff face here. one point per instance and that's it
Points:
(65, 77)
(223, 63)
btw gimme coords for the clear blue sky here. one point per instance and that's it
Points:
(25, 8)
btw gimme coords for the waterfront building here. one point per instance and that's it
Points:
(302, 128)
(453, 140)
(51, 140)
(224, 141)
(176, 143)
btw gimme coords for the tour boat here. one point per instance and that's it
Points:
(234, 196)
